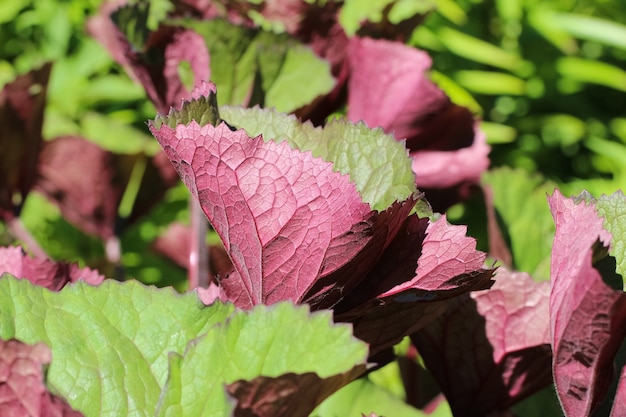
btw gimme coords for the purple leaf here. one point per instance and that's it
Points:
(491, 348)
(588, 318)
(22, 392)
(388, 88)
(278, 211)
(43, 272)
(22, 105)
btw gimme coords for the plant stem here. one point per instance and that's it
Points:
(17, 229)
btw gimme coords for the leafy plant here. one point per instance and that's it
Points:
(329, 280)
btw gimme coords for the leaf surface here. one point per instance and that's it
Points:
(445, 143)
(22, 105)
(588, 317)
(109, 343)
(277, 360)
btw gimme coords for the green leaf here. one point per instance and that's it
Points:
(109, 343)
(591, 71)
(377, 163)
(590, 28)
(362, 397)
(116, 136)
(294, 86)
(478, 50)
(355, 12)
(613, 209)
(520, 201)
(491, 82)
(268, 341)
(251, 66)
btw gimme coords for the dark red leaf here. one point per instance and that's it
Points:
(78, 176)
(288, 395)
(491, 348)
(588, 317)
(22, 105)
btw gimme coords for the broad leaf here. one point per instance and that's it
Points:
(277, 210)
(491, 348)
(109, 343)
(362, 397)
(277, 361)
(588, 316)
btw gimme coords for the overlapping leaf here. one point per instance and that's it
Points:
(491, 348)
(295, 229)
(109, 343)
(285, 370)
(447, 147)
(588, 316)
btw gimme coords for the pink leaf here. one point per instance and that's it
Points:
(43, 272)
(588, 318)
(491, 348)
(22, 392)
(278, 211)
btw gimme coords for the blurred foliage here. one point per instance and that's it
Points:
(547, 77)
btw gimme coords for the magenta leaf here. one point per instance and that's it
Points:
(447, 147)
(491, 348)
(588, 317)
(22, 391)
(43, 272)
(22, 105)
